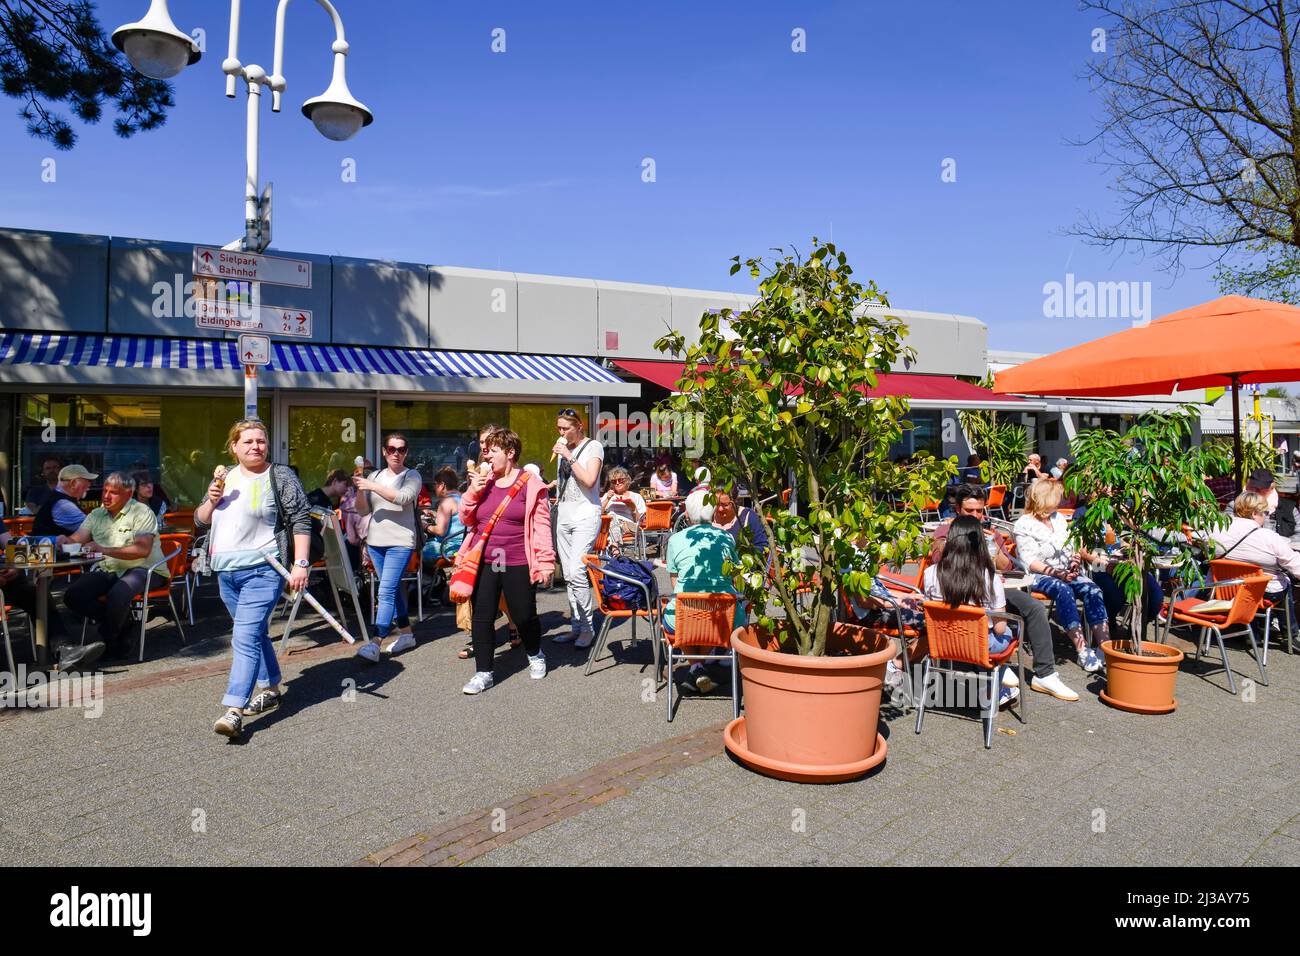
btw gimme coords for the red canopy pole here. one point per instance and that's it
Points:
(1236, 431)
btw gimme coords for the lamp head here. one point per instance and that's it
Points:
(336, 112)
(154, 46)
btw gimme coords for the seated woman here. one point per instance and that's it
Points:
(624, 503)
(965, 575)
(150, 493)
(442, 525)
(734, 520)
(1247, 539)
(1041, 534)
(664, 482)
(696, 555)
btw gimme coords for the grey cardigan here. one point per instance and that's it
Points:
(292, 511)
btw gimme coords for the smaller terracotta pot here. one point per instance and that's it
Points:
(1141, 685)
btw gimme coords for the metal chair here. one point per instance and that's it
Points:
(414, 572)
(702, 620)
(910, 640)
(1247, 595)
(1225, 569)
(601, 544)
(659, 522)
(624, 531)
(596, 573)
(961, 635)
(5, 611)
(997, 501)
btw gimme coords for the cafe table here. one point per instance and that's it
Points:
(44, 573)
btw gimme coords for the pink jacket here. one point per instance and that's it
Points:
(537, 530)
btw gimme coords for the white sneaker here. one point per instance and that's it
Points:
(404, 642)
(1009, 678)
(1052, 684)
(1088, 661)
(369, 651)
(480, 682)
(537, 666)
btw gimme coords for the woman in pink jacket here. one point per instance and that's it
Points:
(517, 556)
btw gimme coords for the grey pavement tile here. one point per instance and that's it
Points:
(1277, 850)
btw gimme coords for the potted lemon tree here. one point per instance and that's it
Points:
(781, 389)
(1146, 487)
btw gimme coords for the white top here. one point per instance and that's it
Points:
(392, 523)
(630, 505)
(574, 494)
(243, 522)
(1037, 543)
(1268, 549)
(930, 585)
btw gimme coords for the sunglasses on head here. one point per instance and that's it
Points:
(394, 450)
(568, 413)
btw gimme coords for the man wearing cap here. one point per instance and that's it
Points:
(60, 514)
(125, 532)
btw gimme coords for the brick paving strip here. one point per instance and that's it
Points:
(474, 834)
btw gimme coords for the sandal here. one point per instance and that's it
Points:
(515, 640)
(466, 652)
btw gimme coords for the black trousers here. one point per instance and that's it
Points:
(521, 602)
(1038, 628)
(82, 596)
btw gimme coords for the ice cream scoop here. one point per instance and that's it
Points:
(485, 468)
(219, 476)
(359, 463)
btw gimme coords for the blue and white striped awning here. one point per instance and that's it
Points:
(139, 352)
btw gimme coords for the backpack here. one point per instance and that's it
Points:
(622, 596)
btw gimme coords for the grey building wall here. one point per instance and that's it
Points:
(60, 282)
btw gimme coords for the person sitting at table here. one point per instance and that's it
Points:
(734, 520)
(1247, 539)
(664, 482)
(60, 514)
(1041, 546)
(125, 532)
(972, 500)
(150, 493)
(623, 503)
(965, 575)
(45, 483)
(1033, 470)
(696, 556)
(17, 591)
(1153, 595)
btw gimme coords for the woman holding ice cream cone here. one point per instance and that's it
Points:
(389, 497)
(254, 509)
(577, 517)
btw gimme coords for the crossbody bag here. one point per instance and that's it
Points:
(468, 562)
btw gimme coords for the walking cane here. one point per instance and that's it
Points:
(312, 601)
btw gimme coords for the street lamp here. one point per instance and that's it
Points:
(156, 48)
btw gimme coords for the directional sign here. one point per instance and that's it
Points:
(251, 267)
(235, 316)
(254, 349)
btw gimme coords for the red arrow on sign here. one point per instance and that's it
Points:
(301, 318)
(248, 356)
(207, 256)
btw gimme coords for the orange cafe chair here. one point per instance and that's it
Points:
(1222, 569)
(596, 573)
(1247, 598)
(703, 621)
(960, 635)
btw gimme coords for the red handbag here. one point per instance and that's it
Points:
(465, 574)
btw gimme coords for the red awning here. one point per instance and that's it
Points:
(927, 391)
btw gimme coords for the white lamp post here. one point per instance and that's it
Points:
(158, 49)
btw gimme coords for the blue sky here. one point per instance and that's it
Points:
(531, 160)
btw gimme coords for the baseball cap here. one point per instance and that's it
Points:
(68, 472)
(1260, 478)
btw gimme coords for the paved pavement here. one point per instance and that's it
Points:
(391, 764)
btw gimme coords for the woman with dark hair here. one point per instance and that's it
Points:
(150, 493)
(965, 575)
(389, 497)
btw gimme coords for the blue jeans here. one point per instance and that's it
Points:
(390, 565)
(250, 595)
(1063, 594)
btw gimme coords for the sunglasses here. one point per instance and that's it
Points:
(568, 413)
(394, 450)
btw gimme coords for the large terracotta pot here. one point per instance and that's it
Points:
(1141, 685)
(811, 719)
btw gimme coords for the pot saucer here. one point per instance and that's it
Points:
(736, 741)
(1137, 708)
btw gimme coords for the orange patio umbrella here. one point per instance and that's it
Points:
(1231, 341)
